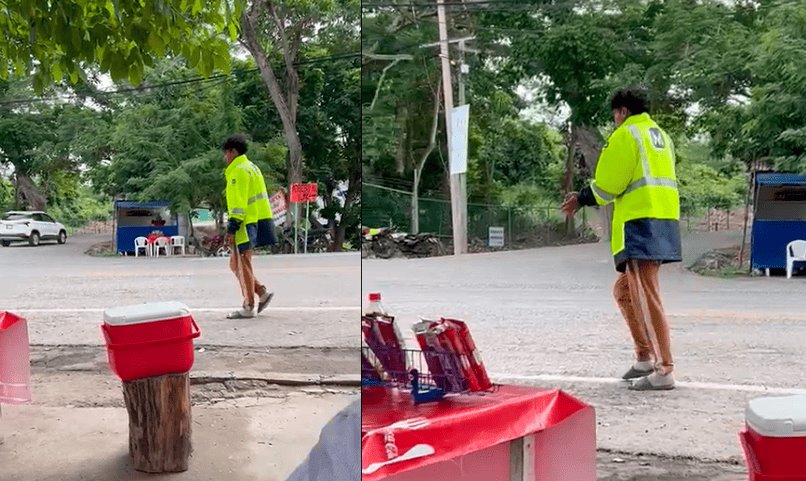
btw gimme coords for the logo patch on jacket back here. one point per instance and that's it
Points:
(656, 137)
(233, 182)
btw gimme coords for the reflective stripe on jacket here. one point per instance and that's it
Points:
(636, 172)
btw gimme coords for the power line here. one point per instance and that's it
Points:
(468, 8)
(191, 80)
(471, 3)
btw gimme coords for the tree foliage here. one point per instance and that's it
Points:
(281, 34)
(162, 141)
(57, 40)
(725, 79)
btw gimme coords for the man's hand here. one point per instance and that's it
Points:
(230, 240)
(571, 204)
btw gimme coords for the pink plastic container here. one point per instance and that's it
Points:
(15, 364)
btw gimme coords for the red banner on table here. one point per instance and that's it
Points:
(399, 436)
(304, 192)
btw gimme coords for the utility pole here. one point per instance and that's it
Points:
(462, 177)
(458, 200)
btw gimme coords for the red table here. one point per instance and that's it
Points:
(516, 433)
(152, 238)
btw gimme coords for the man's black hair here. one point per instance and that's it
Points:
(633, 99)
(236, 142)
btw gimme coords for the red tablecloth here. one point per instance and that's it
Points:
(152, 238)
(393, 426)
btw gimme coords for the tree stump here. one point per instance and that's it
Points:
(159, 423)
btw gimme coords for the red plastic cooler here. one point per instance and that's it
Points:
(775, 439)
(147, 340)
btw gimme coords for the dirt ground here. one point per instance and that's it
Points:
(612, 466)
(256, 414)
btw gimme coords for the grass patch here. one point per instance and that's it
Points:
(102, 249)
(723, 263)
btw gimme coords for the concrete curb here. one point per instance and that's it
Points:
(278, 378)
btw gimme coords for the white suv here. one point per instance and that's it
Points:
(30, 227)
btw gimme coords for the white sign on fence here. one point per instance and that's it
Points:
(279, 207)
(460, 118)
(496, 237)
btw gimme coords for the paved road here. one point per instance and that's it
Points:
(245, 427)
(63, 293)
(546, 317)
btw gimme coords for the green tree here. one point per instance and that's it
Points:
(60, 39)
(275, 33)
(166, 146)
(775, 123)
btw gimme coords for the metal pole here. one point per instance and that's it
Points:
(463, 69)
(296, 227)
(509, 224)
(305, 242)
(458, 216)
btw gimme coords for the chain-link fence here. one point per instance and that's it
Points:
(713, 220)
(540, 225)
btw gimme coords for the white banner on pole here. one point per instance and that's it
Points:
(460, 117)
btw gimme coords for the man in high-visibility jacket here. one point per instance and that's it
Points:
(249, 226)
(636, 173)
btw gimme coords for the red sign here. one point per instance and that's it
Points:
(304, 192)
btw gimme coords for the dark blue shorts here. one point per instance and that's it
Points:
(260, 234)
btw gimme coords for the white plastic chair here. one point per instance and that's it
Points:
(177, 242)
(141, 243)
(795, 252)
(164, 244)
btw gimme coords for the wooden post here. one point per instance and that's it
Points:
(522, 458)
(159, 423)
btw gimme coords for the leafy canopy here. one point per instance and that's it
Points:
(57, 39)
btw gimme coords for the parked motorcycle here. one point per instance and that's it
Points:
(214, 246)
(318, 241)
(378, 242)
(385, 243)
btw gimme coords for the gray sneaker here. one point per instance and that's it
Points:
(653, 382)
(634, 373)
(242, 313)
(264, 301)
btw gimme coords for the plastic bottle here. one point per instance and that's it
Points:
(375, 306)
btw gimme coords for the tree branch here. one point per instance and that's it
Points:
(251, 42)
(395, 59)
(432, 140)
(280, 22)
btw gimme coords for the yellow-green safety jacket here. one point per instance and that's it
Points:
(247, 198)
(636, 172)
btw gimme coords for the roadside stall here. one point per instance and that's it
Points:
(433, 414)
(779, 217)
(149, 220)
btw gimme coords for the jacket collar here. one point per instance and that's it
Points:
(637, 119)
(241, 159)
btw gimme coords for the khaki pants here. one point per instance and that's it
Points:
(250, 286)
(640, 284)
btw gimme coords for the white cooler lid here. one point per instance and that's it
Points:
(140, 313)
(778, 417)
